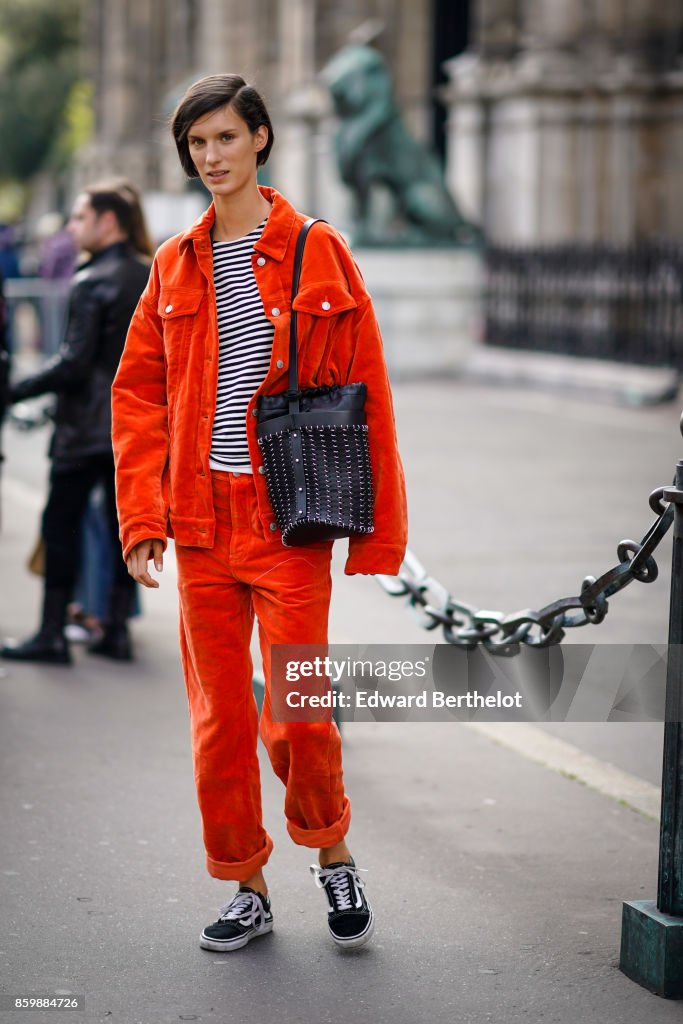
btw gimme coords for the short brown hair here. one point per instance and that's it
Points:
(212, 93)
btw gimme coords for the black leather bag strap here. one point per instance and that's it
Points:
(293, 392)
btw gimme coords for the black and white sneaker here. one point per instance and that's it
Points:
(246, 915)
(350, 917)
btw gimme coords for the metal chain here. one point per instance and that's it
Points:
(464, 626)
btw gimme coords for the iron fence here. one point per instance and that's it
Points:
(602, 302)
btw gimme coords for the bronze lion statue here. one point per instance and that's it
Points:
(374, 150)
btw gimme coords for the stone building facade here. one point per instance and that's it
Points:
(140, 54)
(566, 121)
(558, 121)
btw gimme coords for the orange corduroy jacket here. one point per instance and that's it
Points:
(164, 393)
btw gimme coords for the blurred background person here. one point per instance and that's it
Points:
(107, 222)
(57, 258)
(9, 255)
(4, 363)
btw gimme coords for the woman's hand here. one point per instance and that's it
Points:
(140, 555)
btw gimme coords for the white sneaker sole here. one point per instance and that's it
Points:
(356, 940)
(227, 947)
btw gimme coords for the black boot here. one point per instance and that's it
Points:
(116, 641)
(49, 644)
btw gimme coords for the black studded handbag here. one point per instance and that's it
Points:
(314, 445)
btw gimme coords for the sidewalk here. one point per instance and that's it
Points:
(497, 882)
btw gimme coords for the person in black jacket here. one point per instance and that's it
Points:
(4, 362)
(107, 222)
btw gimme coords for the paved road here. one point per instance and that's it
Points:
(498, 882)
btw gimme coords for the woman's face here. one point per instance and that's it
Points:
(224, 150)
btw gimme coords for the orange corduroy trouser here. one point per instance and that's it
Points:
(221, 589)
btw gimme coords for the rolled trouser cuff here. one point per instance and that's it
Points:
(240, 871)
(321, 838)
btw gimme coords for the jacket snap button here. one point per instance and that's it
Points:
(254, 412)
(280, 364)
(262, 469)
(169, 309)
(273, 526)
(275, 311)
(261, 261)
(326, 304)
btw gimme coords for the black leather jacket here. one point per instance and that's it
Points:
(4, 358)
(103, 297)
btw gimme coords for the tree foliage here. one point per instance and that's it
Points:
(38, 70)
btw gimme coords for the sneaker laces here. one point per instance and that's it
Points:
(246, 908)
(338, 880)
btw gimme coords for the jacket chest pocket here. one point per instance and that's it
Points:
(178, 309)
(320, 306)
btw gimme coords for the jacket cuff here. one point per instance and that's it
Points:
(132, 535)
(374, 560)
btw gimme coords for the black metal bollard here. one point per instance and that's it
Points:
(652, 933)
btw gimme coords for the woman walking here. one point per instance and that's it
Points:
(209, 337)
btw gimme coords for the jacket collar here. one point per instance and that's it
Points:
(276, 234)
(115, 249)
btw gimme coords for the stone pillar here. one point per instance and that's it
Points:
(552, 24)
(466, 133)
(668, 133)
(410, 65)
(296, 31)
(126, 101)
(331, 200)
(293, 163)
(608, 16)
(591, 164)
(113, 57)
(175, 42)
(619, 197)
(496, 29)
(560, 158)
(552, 35)
(513, 172)
(216, 45)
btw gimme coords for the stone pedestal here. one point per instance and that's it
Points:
(428, 303)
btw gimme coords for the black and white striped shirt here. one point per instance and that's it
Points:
(245, 341)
